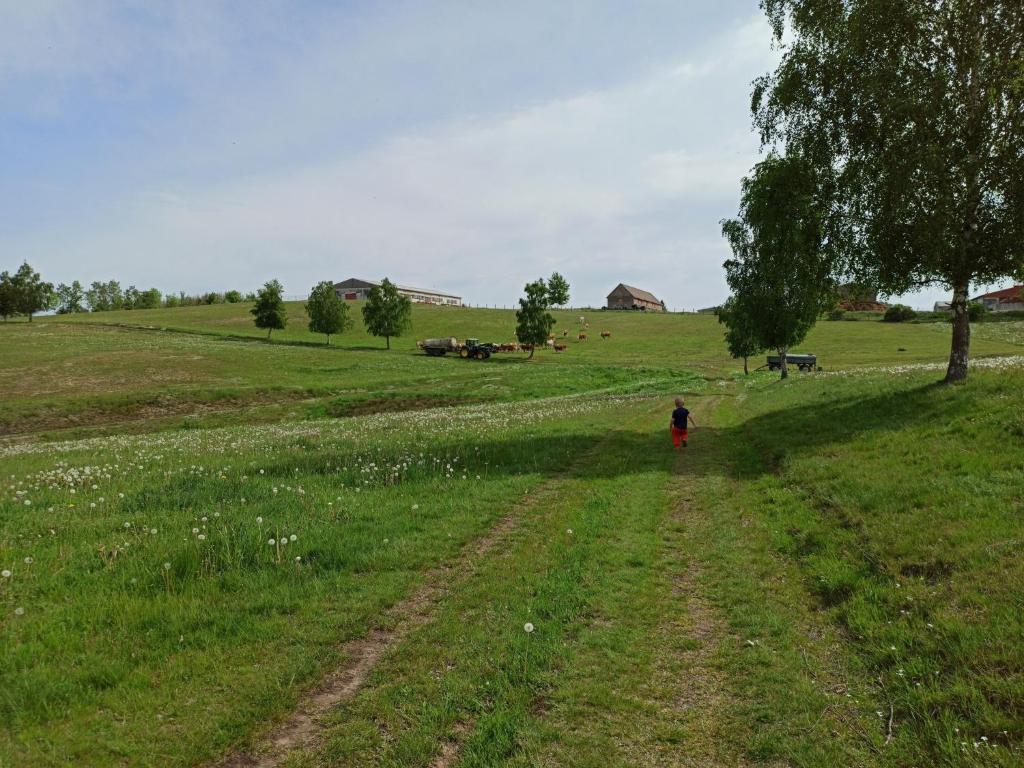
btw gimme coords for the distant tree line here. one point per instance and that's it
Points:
(25, 293)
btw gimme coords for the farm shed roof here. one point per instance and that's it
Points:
(1014, 293)
(637, 293)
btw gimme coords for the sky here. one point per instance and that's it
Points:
(468, 147)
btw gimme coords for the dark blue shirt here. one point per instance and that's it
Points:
(680, 416)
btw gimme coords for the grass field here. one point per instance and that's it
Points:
(829, 574)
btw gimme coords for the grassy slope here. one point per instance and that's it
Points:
(740, 604)
(77, 372)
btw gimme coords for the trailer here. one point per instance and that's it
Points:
(471, 349)
(806, 362)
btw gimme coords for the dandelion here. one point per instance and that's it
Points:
(202, 537)
(293, 537)
(415, 507)
(298, 558)
(126, 525)
(569, 531)
(5, 573)
(271, 542)
(19, 611)
(528, 627)
(29, 560)
(28, 503)
(195, 530)
(167, 566)
(259, 521)
(204, 518)
(153, 531)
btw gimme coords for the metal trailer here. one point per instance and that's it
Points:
(806, 362)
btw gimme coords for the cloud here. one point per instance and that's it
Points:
(625, 179)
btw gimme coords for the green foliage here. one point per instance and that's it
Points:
(533, 321)
(558, 290)
(779, 273)
(269, 312)
(70, 298)
(30, 292)
(976, 311)
(899, 313)
(386, 312)
(233, 297)
(836, 314)
(918, 119)
(105, 297)
(328, 314)
(8, 300)
(741, 335)
(136, 299)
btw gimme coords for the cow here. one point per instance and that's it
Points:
(560, 347)
(606, 334)
(582, 336)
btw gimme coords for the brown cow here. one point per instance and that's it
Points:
(582, 336)
(606, 334)
(560, 347)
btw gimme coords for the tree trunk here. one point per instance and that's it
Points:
(30, 317)
(269, 331)
(961, 345)
(746, 372)
(328, 339)
(388, 340)
(782, 363)
(532, 348)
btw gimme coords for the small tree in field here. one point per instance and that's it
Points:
(8, 305)
(778, 274)
(327, 312)
(387, 313)
(269, 311)
(741, 333)
(533, 321)
(31, 293)
(558, 290)
(70, 298)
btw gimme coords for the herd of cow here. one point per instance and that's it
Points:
(552, 342)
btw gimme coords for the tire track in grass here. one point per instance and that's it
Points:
(303, 729)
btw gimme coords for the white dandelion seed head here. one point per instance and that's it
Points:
(153, 531)
(271, 542)
(195, 530)
(29, 560)
(298, 558)
(5, 573)
(202, 537)
(528, 627)
(167, 566)
(259, 521)
(293, 537)
(19, 611)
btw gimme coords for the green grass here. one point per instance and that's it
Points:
(823, 548)
(86, 372)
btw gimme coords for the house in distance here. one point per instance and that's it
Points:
(355, 289)
(627, 297)
(1006, 300)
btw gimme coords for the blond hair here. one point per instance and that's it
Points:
(679, 401)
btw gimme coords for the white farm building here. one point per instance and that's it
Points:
(355, 289)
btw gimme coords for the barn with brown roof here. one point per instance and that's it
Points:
(627, 297)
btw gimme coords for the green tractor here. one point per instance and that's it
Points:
(473, 349)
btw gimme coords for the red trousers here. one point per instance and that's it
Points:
(678, 436)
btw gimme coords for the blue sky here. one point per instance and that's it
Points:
(467, 146)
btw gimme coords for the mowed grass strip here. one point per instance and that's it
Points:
(147, 618)
(473, 683)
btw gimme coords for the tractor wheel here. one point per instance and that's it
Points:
(485, 355)
(463, 353)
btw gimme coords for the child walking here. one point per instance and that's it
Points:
(678, 424)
